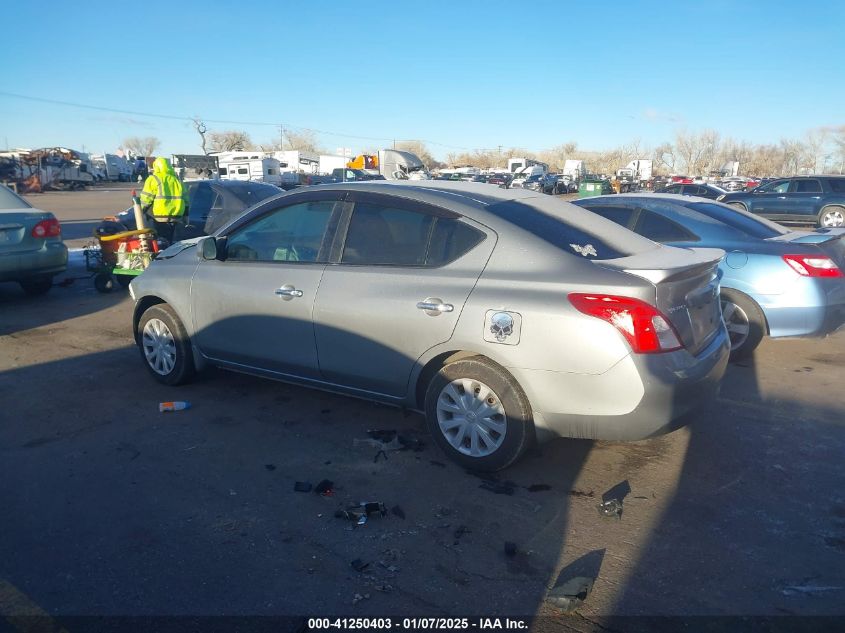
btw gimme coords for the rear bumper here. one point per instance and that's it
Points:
(814, 308)
(642, 396)
(51, 259)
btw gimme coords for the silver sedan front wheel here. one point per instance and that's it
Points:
(165, 346)
(159, 346)
(471, 417)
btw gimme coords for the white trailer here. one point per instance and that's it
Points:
(575, 169)
(255, 166)
(329, 162)
(300, 162)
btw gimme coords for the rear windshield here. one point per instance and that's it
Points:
(10, 200)
(252, 192)
(572, 229)
(739, 220)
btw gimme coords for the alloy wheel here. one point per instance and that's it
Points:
(736, 321)
(833, 219)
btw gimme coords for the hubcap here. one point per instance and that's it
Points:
(159, 346)
(833, 219)
(737, 323)
(471, 417)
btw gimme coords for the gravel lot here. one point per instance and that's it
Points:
(111, 508)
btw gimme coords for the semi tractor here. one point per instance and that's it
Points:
(393, 164)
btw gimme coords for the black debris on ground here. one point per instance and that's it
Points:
(270, 467)
(325, 488)
(538, 487)
(397, 511)
(302, 486)
(510, 549)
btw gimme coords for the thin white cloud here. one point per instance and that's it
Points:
(657, 116)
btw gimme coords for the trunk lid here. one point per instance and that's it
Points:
(830, 241)
(16, 230)
(686, 283)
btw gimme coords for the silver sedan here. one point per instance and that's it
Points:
(503, 315)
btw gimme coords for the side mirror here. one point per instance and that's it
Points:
(212, 248)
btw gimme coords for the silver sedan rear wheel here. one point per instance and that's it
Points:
(159, 346)
(471, 417)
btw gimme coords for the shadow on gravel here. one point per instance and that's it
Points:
(756, 523)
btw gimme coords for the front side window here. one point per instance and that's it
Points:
(288, 234)
(807, 186)
(778, 186)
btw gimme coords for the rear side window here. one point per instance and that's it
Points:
(10, 200)
(388, 236)
(837, 185)
(659, 229)
(558, 232)
(742, 221)
(807, 186)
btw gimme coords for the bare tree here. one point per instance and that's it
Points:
(138, 146)
(419, 148)
(664, 158)
(201, 130)
(304, 141)
(230, 140)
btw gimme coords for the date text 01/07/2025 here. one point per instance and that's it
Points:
(418, 624)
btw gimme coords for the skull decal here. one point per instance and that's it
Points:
(501, 326)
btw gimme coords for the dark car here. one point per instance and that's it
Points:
(503, 180)
(702, 191)
(818, 200)
(348, 174)
(547, 183)
(211, 204)
(480, 178)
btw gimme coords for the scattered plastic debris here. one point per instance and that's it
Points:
(325, 488)
(397, 511)
(362, 512)
(385, 588)
(571, 594)
(510, 549)
(173, 406)
(610, 508)
(302, 486)
(358, 598)
(359, 565)
(575, 581)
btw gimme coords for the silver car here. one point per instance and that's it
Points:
(503, 315)
(31, 247)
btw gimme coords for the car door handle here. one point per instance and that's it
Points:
(288, 292)
(434, 306)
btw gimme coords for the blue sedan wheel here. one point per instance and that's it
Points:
(744, 321)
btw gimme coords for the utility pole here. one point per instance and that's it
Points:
(281, 138)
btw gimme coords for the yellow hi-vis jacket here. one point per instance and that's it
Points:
(164, 192)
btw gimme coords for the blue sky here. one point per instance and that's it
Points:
(459, 75)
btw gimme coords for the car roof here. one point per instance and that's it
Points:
(481, 202)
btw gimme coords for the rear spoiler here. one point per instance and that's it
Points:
(819, 236)
(666, 263)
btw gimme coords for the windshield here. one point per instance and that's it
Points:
(740, 220)
(10, 200)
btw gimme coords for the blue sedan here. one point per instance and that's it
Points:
(774, 281)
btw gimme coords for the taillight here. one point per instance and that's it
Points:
(643, 326)
(813, 266)
(47, 228)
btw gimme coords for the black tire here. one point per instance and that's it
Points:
(124, 280)
(103, 282)
(838, 214)
(750, 312)
(183, 369)
(518, 420)
(36, 286)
